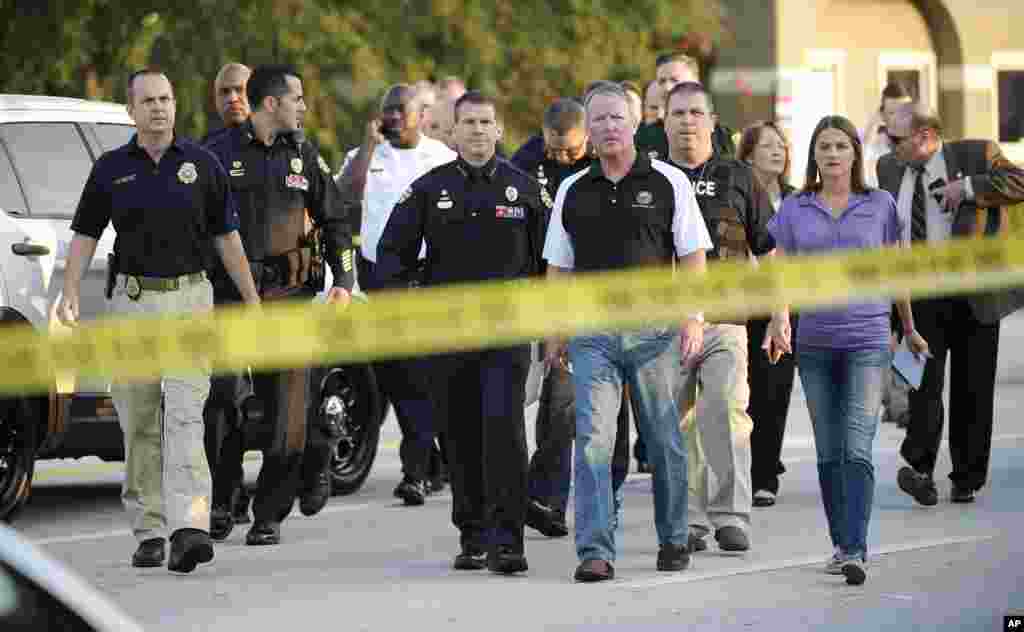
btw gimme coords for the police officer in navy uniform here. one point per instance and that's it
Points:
(223, 410)
(482, 220)
(170, 203)
(277, 176)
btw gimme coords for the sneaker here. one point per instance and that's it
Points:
(542, 518)
(855, 572)
(834, 565)
(961, 494)
(920, 486)
(470, 558)
(763, 498)
(732, 538)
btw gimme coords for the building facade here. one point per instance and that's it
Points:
(797, 60)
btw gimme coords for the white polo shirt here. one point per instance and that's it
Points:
(391, 172)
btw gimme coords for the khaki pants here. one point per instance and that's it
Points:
(717, 429)
(167, 479)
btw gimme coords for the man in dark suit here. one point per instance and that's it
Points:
(950, 190)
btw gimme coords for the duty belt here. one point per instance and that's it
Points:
(134, 284)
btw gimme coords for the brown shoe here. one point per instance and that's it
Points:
(594, 571)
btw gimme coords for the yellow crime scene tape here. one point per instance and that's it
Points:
(431, 320)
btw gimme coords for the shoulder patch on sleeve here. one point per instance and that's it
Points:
(323, 165)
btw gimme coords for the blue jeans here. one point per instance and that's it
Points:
(649, 362)
(844, 393)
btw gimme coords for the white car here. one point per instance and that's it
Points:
(47, 148)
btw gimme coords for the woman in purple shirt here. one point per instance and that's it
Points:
(843, 353)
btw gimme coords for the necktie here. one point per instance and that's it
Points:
(918, 210)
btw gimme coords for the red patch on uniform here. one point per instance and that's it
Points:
(510, 212)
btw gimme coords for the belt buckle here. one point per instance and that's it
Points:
(132, 288)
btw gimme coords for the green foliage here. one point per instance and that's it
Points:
(527, 52)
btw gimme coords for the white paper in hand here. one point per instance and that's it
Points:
(910, 368)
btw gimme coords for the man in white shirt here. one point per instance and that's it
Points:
(394, 153)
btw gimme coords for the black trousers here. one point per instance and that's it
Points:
(550, 474)
(950, 328)
(286, 417)
(771, 386)
(284, 395)
(480, 395)
(405, 383)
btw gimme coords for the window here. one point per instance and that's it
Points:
(11, 200)
(909, 79)
(113, 136)
(1010, 92)
(53, 163)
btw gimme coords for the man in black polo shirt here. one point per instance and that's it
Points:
(626, 211)
(277, 176)
(168, 199)
(564, 152)
(482, 220)
(717, 426)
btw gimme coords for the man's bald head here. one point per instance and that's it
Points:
(915, 132)
(400, 115)
(229, 92)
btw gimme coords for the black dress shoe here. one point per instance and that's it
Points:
(221, 523)
(313, 499)
(150, 553)
(411, 491)
(189, 547)
(240, 507)
(594, 571)
(918, 485)
(264, 533)
(673, 557)
(505, 560)
(732, 538)
(544, 519)
(961, 494)
(470, 559)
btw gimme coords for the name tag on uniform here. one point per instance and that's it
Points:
(295, 181)
(510, 212)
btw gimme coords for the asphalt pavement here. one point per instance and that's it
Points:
(368, 563)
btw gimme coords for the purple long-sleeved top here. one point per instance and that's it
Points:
(804, 226)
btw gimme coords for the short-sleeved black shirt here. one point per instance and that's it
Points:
(165, 213)
(275, 186)
(479, 224)
(624, 224)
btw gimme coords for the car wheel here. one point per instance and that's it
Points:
(353, 456)
(17, 455)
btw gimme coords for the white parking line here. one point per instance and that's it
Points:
(686, 578)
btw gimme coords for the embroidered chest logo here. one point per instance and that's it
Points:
(295, 181)
(510, 212)
(237, 168)
(187, 173)
(511, 194)
(445, 202)
(644, 198)
(296, 165)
